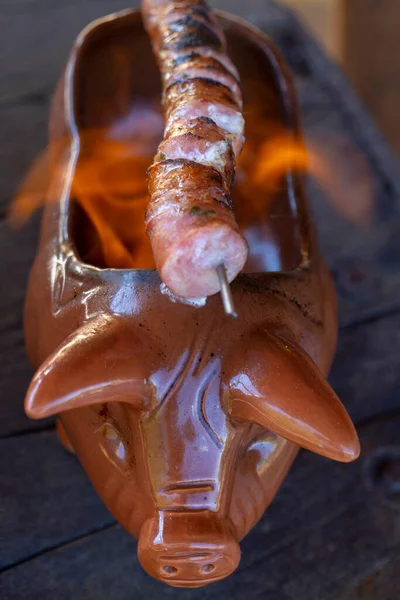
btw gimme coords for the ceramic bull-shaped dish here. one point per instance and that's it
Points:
(185, 420)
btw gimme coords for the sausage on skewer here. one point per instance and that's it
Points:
(189, 219)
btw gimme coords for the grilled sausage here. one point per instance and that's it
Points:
(189, 219)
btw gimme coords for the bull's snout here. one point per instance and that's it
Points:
(188, 549)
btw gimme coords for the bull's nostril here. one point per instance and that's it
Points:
(168, 570)
(187, 548)
(208, 569)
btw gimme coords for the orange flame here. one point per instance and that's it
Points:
(31, 194)
(341, 171)
(109, 185)
(277, 156)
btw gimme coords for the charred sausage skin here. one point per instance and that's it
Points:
(189, 219)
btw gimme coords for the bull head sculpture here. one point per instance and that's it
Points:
(187, 430)
(185, 422)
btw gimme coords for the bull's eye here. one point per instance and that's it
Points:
(111, 435)
(113, 428)
(112, 444)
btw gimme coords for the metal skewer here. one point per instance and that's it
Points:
(226, 293)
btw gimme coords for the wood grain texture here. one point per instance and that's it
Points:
(371, 59)
(51, 503)
(24, 135)
(330, 532)
(384, 582)
(323, 18)
(321, 534)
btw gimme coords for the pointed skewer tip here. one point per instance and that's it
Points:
(226, 293)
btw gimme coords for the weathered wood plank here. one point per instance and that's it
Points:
(311, 545)
(46, 498)
(31, 57)
(366, 371)
(330, 76)
(383, 583)
(359, 526)
(24, 129)
(358, 219)
(371, 46)
(17, 251)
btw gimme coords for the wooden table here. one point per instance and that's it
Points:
(371, 55)
(333, 532)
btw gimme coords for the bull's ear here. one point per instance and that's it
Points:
(101, 362)
(274, 383)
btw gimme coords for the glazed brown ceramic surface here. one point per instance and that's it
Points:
(185, 420)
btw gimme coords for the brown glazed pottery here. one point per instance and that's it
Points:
(185, 420)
